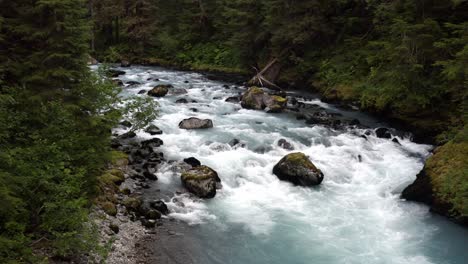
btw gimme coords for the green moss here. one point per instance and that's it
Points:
(198, 173)
(448, 171)
(279, 99)
(109, 208)
(118, 158)
(113, 176)
(255, 90)
(132, 203)
(301, 159)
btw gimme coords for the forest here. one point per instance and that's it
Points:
(405, 60)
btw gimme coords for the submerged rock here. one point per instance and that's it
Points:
(153, 130)
(285, 144)
(298, 169)
(160, 90)
(232, 99)
(255, 98)
(115, 73)
(160, 206)
(383, 132)
(132, 83)
(192, 162)
(181, 101)
(195, 123)
(201, 181)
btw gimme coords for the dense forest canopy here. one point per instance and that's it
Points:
(407, 59)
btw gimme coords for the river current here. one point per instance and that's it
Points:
(355, 216)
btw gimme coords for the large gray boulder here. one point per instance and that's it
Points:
(201, 181)
(298, 169)
(195, 123)
(255, 98)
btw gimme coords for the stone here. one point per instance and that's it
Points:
(285, 144)
(383, 132)
(298, 169)
(153, 130)
(255, 98)
(232, 99)
(201, 181)
(160, 206)
(192, 162)
(195, 123)
(160, 90)
(114, 227)
(181, 101)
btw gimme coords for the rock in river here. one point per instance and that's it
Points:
(160, 90)
(256, 98)
(153, 130)
(201, 181)
(195, 123)
(298, 169)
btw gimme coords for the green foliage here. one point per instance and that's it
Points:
(55, 121)
(140, 111)
(448, 170)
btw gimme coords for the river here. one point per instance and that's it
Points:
(355, 216)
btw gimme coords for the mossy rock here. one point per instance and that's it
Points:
(253, 99)
(298, 169)
(160, 90)
(113, 176)
(109, 208)
(443, 183)
(118, 158)
(201, 181)
(133, 204)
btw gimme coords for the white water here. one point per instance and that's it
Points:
(354, 216)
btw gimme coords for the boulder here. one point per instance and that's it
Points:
(201, 181)
(128, 135)
(236, 143)
(275, 103)
(182, 101)
(192, 162)
(298, 169)
(125, 63)
(153, 130)
(232, 99)
(132, 83)
(159, 90)
(383, 132)
(255, 98)
(285, 144)
(152, 143)
(160, 206)
(115, 73)
(195, 123)
(142, 92)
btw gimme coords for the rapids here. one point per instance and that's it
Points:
(355, 216)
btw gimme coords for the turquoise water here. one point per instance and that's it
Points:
(355, 216)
